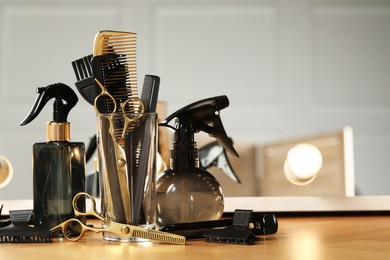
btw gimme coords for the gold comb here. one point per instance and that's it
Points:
(118, 65)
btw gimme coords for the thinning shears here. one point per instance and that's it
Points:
(110, 226)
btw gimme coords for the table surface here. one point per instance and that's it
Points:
(302, 237)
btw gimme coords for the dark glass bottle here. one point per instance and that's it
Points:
(58, 175)
(58, 164)
(185, 192)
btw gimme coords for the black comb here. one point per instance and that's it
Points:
(19, 230)
(85, 82)
(150, 91)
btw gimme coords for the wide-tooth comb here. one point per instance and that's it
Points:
(85, 83)
(119, 72)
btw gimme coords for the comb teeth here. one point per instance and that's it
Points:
(83, 67)
(114, 64)
(120, 77)
(25, 239)
(85, 85)
(160, 236)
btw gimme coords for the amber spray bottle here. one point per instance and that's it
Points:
(186, 192)
(58, 164)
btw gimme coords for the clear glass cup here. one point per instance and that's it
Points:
(127, 147)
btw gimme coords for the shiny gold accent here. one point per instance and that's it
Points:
(125, 229)
(121, 162)
(57, 131)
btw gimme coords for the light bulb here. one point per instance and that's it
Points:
(6, 171)
(302, 164)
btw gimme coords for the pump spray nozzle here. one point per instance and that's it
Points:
(199, 116)
(65, 100)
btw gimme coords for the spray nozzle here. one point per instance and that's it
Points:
(200, 116)
(65, 100)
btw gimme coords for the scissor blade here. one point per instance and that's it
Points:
(121, 167)
(114, 203)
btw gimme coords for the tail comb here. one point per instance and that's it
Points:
(19, 230)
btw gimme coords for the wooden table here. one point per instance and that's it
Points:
(311, 237)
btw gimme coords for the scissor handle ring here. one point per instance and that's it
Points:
(68, 234)
(92, 209)
(133, 100)
(103, 93)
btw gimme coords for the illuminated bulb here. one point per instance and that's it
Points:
(302, 164)
(6, 172)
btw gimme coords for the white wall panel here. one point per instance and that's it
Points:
(39, 42)
(352, 57)
(203, 50)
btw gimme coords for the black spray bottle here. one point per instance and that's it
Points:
(58, 164)
(185, 192)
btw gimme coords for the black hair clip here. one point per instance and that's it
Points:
(3, 221)
(19, 231)
(244, 229)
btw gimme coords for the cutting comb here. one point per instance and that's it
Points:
(114, 65)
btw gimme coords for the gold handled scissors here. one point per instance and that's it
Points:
(113, 227)
(136, 105)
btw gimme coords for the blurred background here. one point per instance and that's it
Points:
(290, 68)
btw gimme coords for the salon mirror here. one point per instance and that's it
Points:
(319, 165)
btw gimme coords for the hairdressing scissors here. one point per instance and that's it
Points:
(134, 104)
(111, 226)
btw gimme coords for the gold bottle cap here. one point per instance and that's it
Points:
(57, 131)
